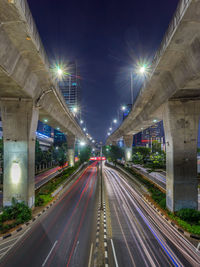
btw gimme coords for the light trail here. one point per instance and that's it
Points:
(177, 249)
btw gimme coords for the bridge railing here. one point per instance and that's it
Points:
(180, 11)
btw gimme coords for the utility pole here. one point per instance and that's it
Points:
(101, 207)
(131, 88)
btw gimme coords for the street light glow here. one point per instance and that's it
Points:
(81, 121)
(59, 71)
(142, 69)
(123, 108)
(84, 129)
(108, 133)
(82, 143)
(75, 109)
(115, 121)
(110, 129)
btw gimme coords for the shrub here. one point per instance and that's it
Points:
(189, 215)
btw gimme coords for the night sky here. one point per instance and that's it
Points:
(106, 38)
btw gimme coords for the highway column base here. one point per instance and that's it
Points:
(181, 121)
(19, 120)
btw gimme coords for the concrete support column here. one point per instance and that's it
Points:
(181, 120)
(71, 149)
(128, 143)
(19, 119)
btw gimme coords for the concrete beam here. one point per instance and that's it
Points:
(181, 120)
(19, 120)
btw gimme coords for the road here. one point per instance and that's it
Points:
(141, 237)
(64, 235)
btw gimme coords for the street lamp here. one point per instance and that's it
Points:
(82, 143)
(115, 121)
(81, 121)
(110, 129)
(123, 108)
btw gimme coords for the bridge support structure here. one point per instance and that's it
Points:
(128, 142)
(19, 120)
(71, 149)
(181, 121)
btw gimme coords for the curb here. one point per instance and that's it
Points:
(185, 233)
(23, 226)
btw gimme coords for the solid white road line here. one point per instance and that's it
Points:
(115, 257)
(50, 253)
(90, 257)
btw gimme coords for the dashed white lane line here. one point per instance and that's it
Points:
(115, 257)
(49, 253)
(90, 257)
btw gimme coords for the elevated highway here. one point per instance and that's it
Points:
(28, 92)
(172, 93)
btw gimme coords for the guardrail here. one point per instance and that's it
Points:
(180, 11)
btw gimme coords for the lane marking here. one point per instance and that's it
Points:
(90, 257)
(4, 253)
(49, 253)
(113, 249)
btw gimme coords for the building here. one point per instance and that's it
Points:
(45, 135)
(70, 88)
(147, 136)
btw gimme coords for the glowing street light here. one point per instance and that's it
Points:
(84, 129)
(115, 121)
(81, 121)
(110, 129)
(75, 110)
(82, 143)
(123, 108)
(142, 69)
(108, 133)
(59, 71)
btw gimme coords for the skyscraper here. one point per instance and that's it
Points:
(70, 88)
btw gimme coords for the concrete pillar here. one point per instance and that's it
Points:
(128, 143)
(71, 149)
(181, 120)
(19, 119)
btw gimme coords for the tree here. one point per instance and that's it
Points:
(85, 153)
(115, 153)
(156, 147)
(141, 154)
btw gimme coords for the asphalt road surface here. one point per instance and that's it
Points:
(140, 236)
(64, 235)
